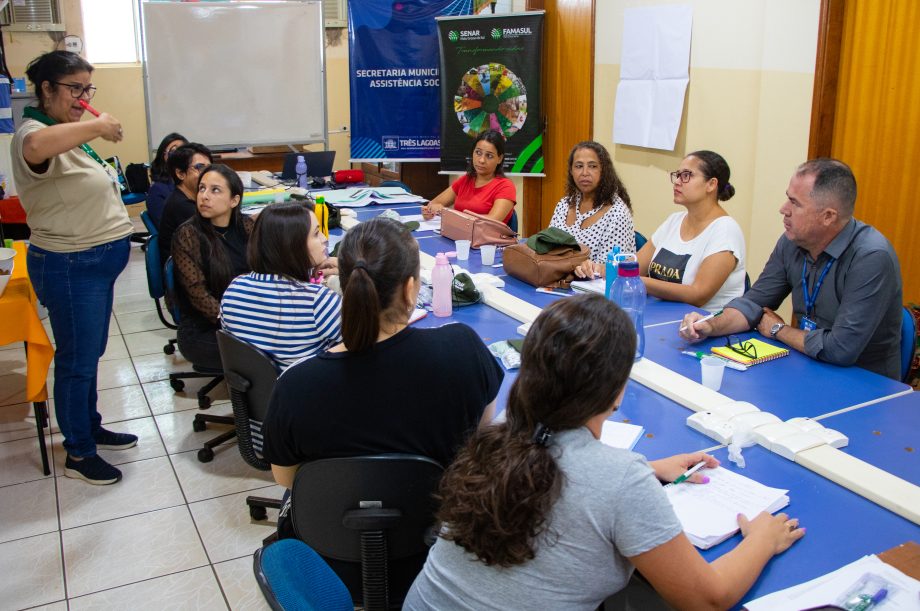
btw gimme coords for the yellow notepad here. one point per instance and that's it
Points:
(765, 352)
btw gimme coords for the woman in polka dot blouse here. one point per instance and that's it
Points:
(595, 209)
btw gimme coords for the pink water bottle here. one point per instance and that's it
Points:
(442, 279)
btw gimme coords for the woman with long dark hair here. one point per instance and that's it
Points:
(282, 306)
(484, 188)
(595, 209)
(209, 250)
(79, 246)
(538, 514)
(161, 181)
(184, 166)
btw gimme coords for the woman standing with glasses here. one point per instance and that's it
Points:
(79, 246)
(185, 165)
(697, 255)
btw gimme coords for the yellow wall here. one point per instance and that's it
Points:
(749, 99)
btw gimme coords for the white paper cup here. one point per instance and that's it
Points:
(246, 177)
(487, 252)
(463, 249)
(713, 369)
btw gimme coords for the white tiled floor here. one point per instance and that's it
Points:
(173, 534)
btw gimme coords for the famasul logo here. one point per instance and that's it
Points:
(496, 33)
(453, 36)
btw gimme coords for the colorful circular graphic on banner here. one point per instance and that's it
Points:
(491, 97)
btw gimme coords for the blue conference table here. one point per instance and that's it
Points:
(883, 434)
(841, 526)
(791, 386)
(886, 435)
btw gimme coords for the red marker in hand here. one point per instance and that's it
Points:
(86, 106)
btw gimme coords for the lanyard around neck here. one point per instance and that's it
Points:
(811, 298)
(31, 112)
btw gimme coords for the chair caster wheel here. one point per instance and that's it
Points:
(199, 425)
(204, 402)
(169, 349)
(258, 513)
(177, 385)
(205, 455)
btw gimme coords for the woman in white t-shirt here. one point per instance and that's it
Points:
(697, 256)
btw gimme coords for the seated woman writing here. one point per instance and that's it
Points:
(209, 250)
(697, 256)
(282, 307)
(537, 513)
(484, 188)
(595, 209)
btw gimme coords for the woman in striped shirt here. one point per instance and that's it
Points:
(281, 307)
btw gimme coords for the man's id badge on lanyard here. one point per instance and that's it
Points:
(807, 324)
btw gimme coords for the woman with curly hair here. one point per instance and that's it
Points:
(595, 209)
(537, 513)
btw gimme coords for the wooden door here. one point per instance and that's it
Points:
(568, 100)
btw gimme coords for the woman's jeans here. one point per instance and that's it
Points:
(78, 289)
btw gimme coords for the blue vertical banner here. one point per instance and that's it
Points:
(395, 78)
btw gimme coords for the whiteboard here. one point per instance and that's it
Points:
(235, 73)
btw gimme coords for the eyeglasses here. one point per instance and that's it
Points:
(682, 176)
(78, 91)
(743, 348)
(198, 166)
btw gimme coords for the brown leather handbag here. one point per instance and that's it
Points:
(478, 229)
(556, 268)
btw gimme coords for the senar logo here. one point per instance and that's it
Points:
(453, 36)
(496, 33)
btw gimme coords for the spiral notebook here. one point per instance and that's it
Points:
(764, 351)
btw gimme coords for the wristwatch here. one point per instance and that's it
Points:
(775, 329)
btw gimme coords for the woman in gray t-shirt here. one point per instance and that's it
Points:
(538, 513)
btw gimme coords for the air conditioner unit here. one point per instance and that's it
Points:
(335, 13)
(32, 16)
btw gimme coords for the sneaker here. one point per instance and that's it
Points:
(107, 440)
(92, 469)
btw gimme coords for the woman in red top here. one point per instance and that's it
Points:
(484, 188)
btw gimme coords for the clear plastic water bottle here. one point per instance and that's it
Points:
(610, 270)
(301, 170)
(442, 279)
(628, 292)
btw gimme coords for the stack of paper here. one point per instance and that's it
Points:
(621, 434)
(365, 196)
(827, 589)
(708, 512)
(588, 286)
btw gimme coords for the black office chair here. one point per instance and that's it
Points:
(251, 375)
(176, 380)
(371, 518)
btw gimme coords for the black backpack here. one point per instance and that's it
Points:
(137, 177)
